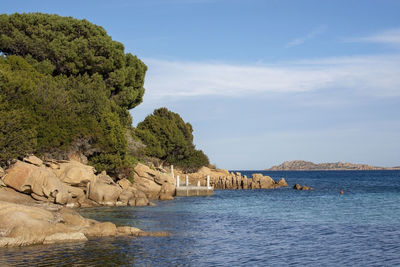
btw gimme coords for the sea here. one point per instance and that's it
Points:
(280, 227)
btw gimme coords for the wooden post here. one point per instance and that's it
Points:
(187, 180)
(177, 181)
(198, 183)
(172, 171)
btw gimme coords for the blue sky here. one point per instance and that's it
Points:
(264, 81)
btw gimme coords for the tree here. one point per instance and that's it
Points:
(64, 82)
(170, 139)
(74, 47)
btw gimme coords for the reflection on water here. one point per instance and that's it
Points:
(249, 228)
(96, 252)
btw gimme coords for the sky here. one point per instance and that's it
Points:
(263, 81)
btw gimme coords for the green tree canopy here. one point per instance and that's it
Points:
(65, 82)
(170, 139)
(74, 47)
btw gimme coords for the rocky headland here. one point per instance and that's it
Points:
(301, 165)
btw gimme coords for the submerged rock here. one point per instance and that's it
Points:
(304, 187)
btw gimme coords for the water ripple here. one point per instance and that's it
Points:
(249, 228)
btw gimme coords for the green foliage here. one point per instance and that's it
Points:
(170, 139)
(63, 80)
(45, 114)
(64, 45)
(65, 85)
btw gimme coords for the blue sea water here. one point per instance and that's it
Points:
(281, 227)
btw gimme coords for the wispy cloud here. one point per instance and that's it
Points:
(391, 37)
(303, 39)
(367, 75)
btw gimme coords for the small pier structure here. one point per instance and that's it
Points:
(187, 190)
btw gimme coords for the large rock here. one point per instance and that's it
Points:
(40, 181)
(165, 194)
(8, 194)
(104, 190)
(125, 196)
(77, 196)
(263, 182)
(140, 198)
(124, 183)
(150, 182)
(75, 173)
(26, 225)
(101, 229)
(133, 197)
(282, 183)
(33, 160)
(17, 176)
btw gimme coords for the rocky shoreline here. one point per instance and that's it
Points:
(24, 221)
(37, 197)
(223, 179)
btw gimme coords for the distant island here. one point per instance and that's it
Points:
(302, 165)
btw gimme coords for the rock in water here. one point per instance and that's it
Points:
(104, 190)
(30, 222)
(282, 182)
(304, 187)
(297, 187)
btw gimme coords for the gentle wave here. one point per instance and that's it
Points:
(249, 228)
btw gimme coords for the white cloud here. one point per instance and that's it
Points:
(391, 37)
(311, 35)
(371, 75)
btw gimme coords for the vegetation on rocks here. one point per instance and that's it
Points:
(66, 87)
(65, 84)
(170, 139)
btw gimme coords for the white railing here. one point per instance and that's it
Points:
(178, 183)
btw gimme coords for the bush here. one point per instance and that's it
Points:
(170, 139)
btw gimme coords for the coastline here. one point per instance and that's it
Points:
(37, 201)
(41, 197)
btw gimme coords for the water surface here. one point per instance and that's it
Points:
(250, 227)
